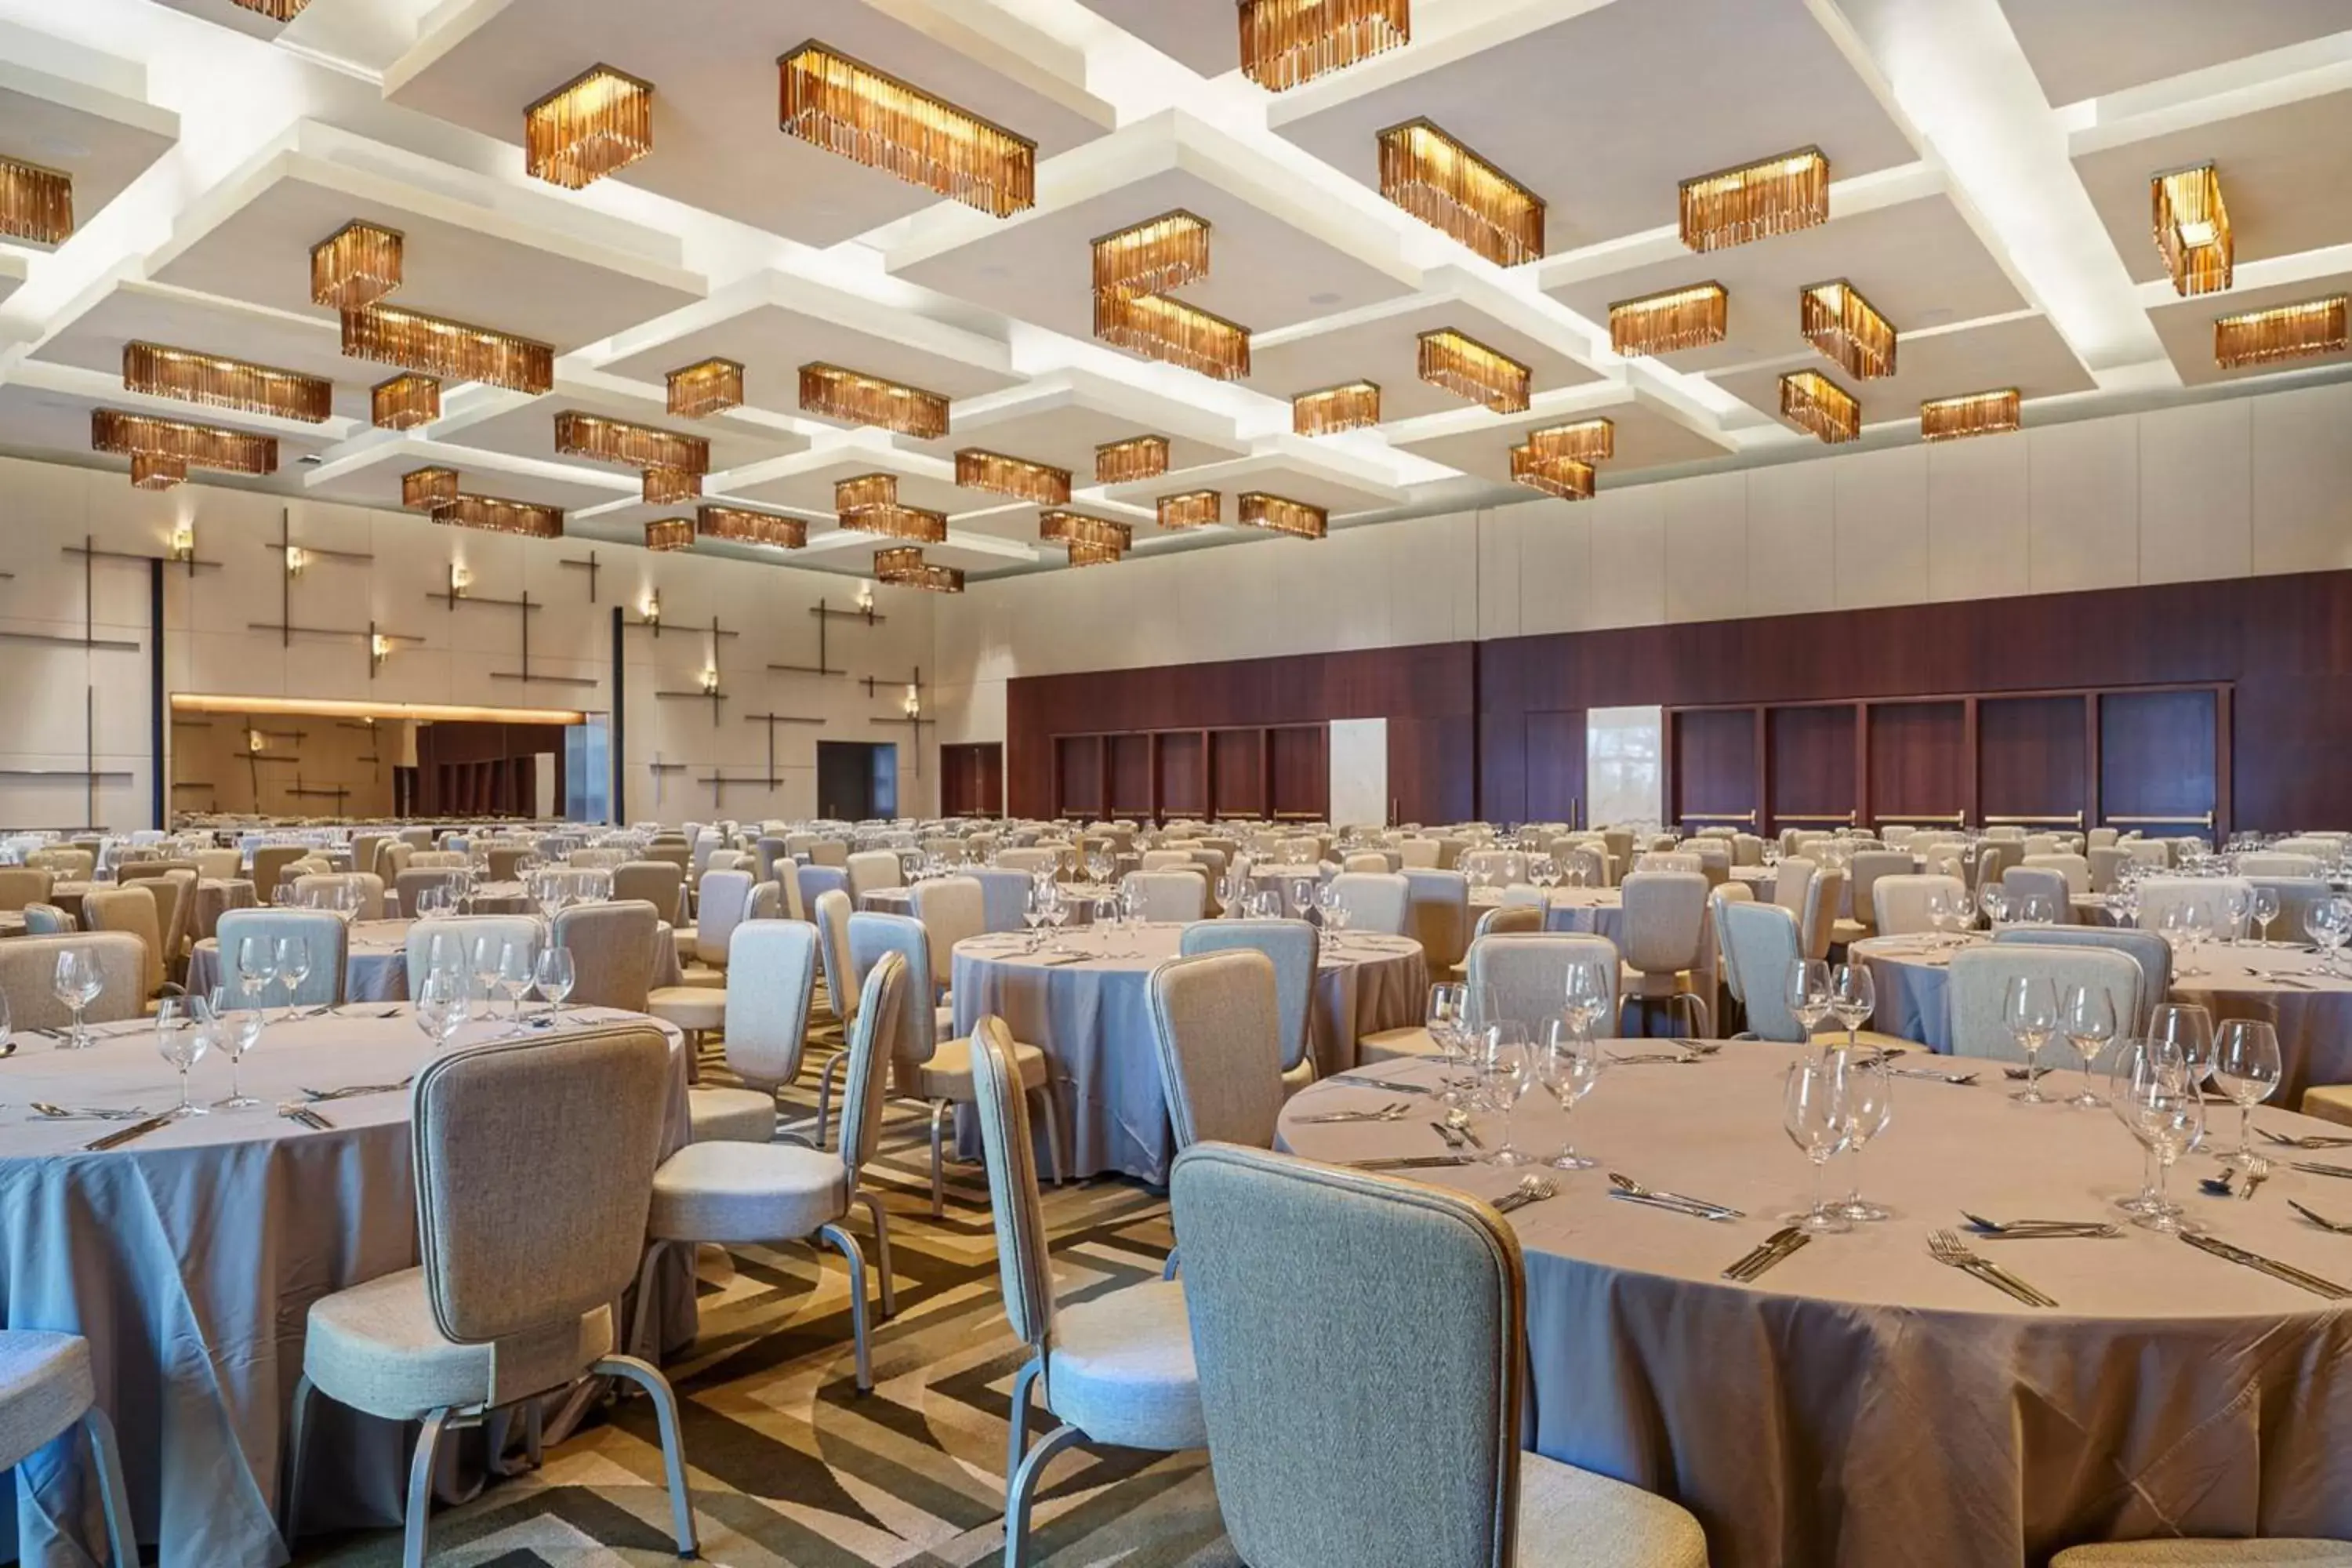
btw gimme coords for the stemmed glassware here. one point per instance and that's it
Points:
(514, 979)
(2265, 910)
(235, 1031)
(2246, 1068)
(1506, 1071)
(2189, 1028)
(440, 1004)
(1813, 1114)
(1808, 993)
(553, 977)
(2154, 1093)
(2237, 903)
(1853, 996)
(1869, 1090)
(486, 954)
(1568, 1065)
(1994, 900)
(76, 982)
(2087, 1018)
(293, 964)
(1447, 1018)
(184, 1040)
(2028, 1010)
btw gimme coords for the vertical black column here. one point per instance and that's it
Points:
(159, 709)
(617, 731)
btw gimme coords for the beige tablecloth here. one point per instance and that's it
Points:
(376, 969)
(1863, 1407)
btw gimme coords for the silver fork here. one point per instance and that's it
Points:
(1946, 1249)
(1394, 1111)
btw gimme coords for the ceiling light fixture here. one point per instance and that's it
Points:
(1193, 509)
(599, 122)
(905, 567)
(1077, 528)
(1663, 323)
(1468, 368)
(404, 402)
(831, 102)
(739, 527)
(1756, 200)
(856, 399)
(1586, 441)
(354, 267)
(1258, 509)
(666, 533)
(699, 391)
(192, 446)
(1158, 327)
(2287, 331)
(152, 472)
(1976, 413)
(1812, 401)
(1847, 329)
(1137, 458)
(1446, 185)
(1154, 256)
(2192, 228)
(451, 350)
(423, 490)
(221, 383)
(865, 493)
(1565, 478)
(1285, 43)
(581, 434)
(1331, 409)
(1083, 554)
(663, 486)
(493, 514)
(35, 204)
(1015, 477)
(276, 10)
(915, 522)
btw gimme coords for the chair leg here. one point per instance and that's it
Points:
(121, 1537)
(534, 1435)
(641, 1326)
(289, 1505)
(421, 1465)
(1024, 1491)
(1016, 1444)
(1053, 1132)
(872, 1202)
(847, 1245)
(939, 1115)
(648, 1377)
(824, 1091)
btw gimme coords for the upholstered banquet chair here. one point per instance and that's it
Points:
(831, 852)
(724, 902)
(766, 1019)
(612, 948)
(47, 1390)
(1862, 873)
(1295, 949)
(438, 859)
(65, 865)
(2277, 865)
(1978, 991)
(132, 910)
(1512, 917)
(22, 885)
(2107, 862)
(269, 861)
(1115, 1368)
(2161, 895)
(326, 935)
(1375, 901)
(48, 920)
(534, 1165)
(1760, 943)
(2044, 882)
(368, 889)
(2182, 1553)
(2146, 948)
(1791, 882)
(2152, 852)
(952, 909)
(1899, 904)
(661, 883)
(28, 966)
(1824, 891)
(1296, 1275)
(1003, 897)
(871, 870)
(1176, 897)
(457, 935)
(1665, 936)
(2075, 868)
(1438, 915)
(409, 887)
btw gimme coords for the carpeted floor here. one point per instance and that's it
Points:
(790, 1466)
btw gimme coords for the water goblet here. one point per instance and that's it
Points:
(1568, 1065)
(1869, 1090)
(293, 965)
(2088, 1021)
(1807, 993)
(2155, 1096)
(2246, 1068)
(1853, 996)
(553, 977)
(1813, 1114)
(2030, 1011)
(76, 982)
(234, 1031)
(1506, 1073)
(183, 1044)
(2265, 910)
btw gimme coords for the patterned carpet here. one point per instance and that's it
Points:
(790, 1467)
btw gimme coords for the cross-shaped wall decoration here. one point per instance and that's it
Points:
(658, 768)
(709, 691)
(825, 615)
(913, 720)
(291, 557)
(589, 566)
(772, 721)
(528, 609)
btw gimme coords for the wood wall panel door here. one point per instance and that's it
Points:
(1078, 775)
(971, 779)
(1237, 773)
(1555, 767)
(1430, 779)
(2160, 757)
(1811, 778)
(1714, 753)
(1918, 762)
(1300, 768)
(1129, 758)
(1183, 773)
(2033, 759)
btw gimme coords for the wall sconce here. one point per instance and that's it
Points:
(255, 741)
(710, 682)
(865, 598)
(295, 561)
(459, 579)
(183, 542)
(913, 706)
(652, 611)
(378, 649)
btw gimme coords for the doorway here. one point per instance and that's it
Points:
(857, 781)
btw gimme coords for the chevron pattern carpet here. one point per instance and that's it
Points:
(791, 1469)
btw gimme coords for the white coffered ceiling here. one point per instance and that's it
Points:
(1990, 160)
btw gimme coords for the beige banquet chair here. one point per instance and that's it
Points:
(1438, 915)
(325, 935)
(2043, 882)
(1664, 935)
(132, 911)
(952, 909)
(768, 998)
(661, 883)
(2149, 950)
(22, 885)
(47, 1392)
(1375, 901)
(1977, 994)
(269, 861)
(409, 887)
(1217, 1026)
(1862, 873)
(1169, 896)
(65, 865)
(870, 870)
(368, 889)
(2183, 1553)
(1900, 905)
(1295, 950)
(29, 967)
(612, 948)
(1759, 944)
(457, 936)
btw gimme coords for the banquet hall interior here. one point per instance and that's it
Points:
(1420, 784)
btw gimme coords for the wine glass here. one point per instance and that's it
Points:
(553, 977)
(1993, 900)
(2155, 1097)
(1447, 1018)
(1853, 996)
(2190, 1028)
(2037, 910)
(2237, 903)
(487, 951)
(1590, 995)
(1568, 1065)
(2246, 1068)
(1813, 1114)
(235, 1031)
(293, 964)
(2087, 1016)
(2196, 926)
(76, 982)
(1807, 993)
(1506, 1073)
(183, 1044)
(514, 978)
(2028, 1010)
(1869, 1088)
(2265, 910)
(433, 1000)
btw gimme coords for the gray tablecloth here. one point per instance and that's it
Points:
(1077, 897)
(376, 969)
(1091, 1021)
(1861, 1405)
(190, 1259)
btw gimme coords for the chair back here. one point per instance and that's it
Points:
(327, 936)
(1747, 849)
(725, 900)
(1864, 870)
(2151, 951)
(1026, 859)
(363, 851)
(1417, 855)
(437, 860)
(1511, 918)
(456, 936)
(2023, 882)
(657, 882)
(2160, 895)
(1372, 861)
(1438, 915)
(29, 967)
(1980, 977)
(873, 1043)
(1899, 904)
(1021, 1260)
(22, 885)
(1789, 886)
(269, 861)
(407, 885)
(1003, 897)
(815, 881)
(133, 910)
(952, 909)
(1667, 860)
(833, 952)
(1216, 1022)
(2075, 868)
(1293, 947)
(2147, 851)
(872, 870)
(48, 920)
(917, 1034)
(1664, 926)
(1527, 976)
(612, 948)
(2107, 862)
(1375, 901)
(368, 885)
(1290, 1268)
(1759, 943)
(1823, 896)
(771, 985)
(1179, 896)
(1714, 855)
(2296, 897)
(768, 851)
(69, 865)
(831, 852)
(1734, 892)
(2273, 864)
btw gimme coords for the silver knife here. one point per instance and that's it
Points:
(1694, 1210)
(1412, 1162)
(1770, 1251)
(136, 1130)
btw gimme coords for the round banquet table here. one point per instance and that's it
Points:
(2311, 1011)
(214, 896)
(1861, 1405)
(190, 1258)
(1089, 1016)
(376, 968)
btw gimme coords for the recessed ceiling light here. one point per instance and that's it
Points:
(311, 459)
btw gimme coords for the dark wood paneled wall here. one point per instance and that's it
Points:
(483, 768)
(972, 779)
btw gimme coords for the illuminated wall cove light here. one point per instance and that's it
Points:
(492, 514)
(192, 377)
(1001, 474)
(1258, 509)
(1586, 441)
(354, 267)
(739, 527)
(1073, 529)
(1813, 402)
(35, 204)
(404, 402)
(1836, 319)
(1122, 462)
(1335, 408)
(905, 568)
(424, 489)
(856, 399)
(1449, 187)
(1562, 476)
(670, 534)
(2192, 229)
(831, 102)
(1976, 413)
(1193, 509)
(190, 446)
(1287, 42)
(2288, 331)
(1468, 368)
(699, 391)
(450, 349)
(1665, 323)
(599, 121)
(1756, 200)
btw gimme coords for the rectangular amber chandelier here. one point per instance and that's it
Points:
(1468, 368)
(428, 489)
(1193, 509)
(1085, 555)
(1661, 323)
(1847, 329)
(1565, 478)
(670, 534)
(1258, 509)
(35, 204)
(221, 383)
(904, 567)
(1812, 401)
(831, 102)
(1077, 528)
(276, 10)
(1158, 327)
(2288, 331)
(1756, 200)
(450, 349)
(404, 402)
(865, 493)
(742, 527)
(915, 522)
(1154, 256)
(1976, 413)
(2192, 229)
(665, 486)
(599, 121)
(192, 446)
(844, 394)
(1137, 458)
(354, 267)
(154, 473)
(579, 434)
(699, 391)
(1585, 441)
(493, 514)
(1015, 477)
(1449, 187)
(1285, 43)
(1332, 409)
